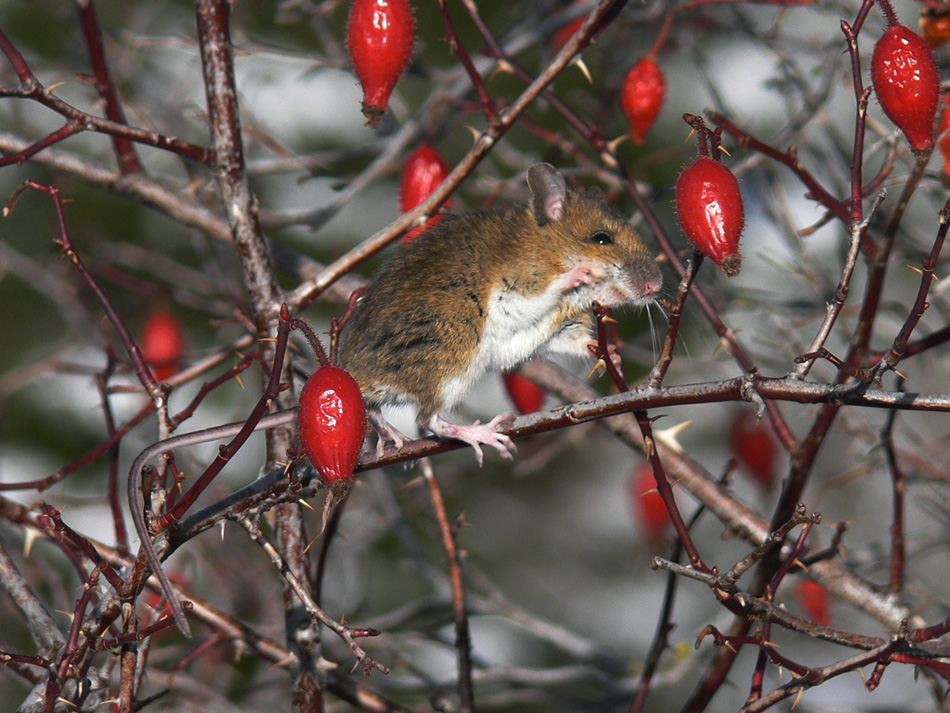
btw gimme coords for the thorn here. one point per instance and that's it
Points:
(267, 339)
(503, 66)
(305, 503)
(476, 134)
(724, 151)
(690, 135)
(28, 541)
(286, 661)
(900, 374)
(222, 530)
(612, 145)
(798, 697)
(916, 269)
(579, 63)
(669, 436)
(412, 483)
(55, 86)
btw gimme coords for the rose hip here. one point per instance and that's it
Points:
(906, 82)
(641, 97)
(381, 35)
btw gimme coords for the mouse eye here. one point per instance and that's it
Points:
(602, 237)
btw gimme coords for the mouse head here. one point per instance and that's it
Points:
(604, 259)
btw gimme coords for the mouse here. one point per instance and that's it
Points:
(485, 291)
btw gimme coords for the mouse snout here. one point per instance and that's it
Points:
(652, 286)
(646, 280)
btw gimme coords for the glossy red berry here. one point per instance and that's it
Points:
(331, 418)
(710, 211)
(649, 512)
(815, 601)
(381, 34)
(641, 96)
(754, 445)
(907, 85)
(162, 343)
(422, 173)
(524, 393)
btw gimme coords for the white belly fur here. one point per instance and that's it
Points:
(516, 327)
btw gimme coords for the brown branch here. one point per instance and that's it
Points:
(124, 149)
(76, 120)
(463, 639)
(893, 357)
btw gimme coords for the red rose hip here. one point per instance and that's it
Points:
(647, 504)
(162, 343)
(755, 446)
(524, 393)
(943, 140)
(331, 418)
(906, 82)
(641, 97)
(710, 211)
(422, 173)
(381, 34)
(815, 600)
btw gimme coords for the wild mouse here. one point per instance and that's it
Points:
(486, 290)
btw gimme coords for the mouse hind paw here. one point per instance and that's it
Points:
(387, 433)
(477, 435)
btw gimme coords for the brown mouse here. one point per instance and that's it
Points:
(485, 291)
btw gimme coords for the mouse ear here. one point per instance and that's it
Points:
(548, 192)
(597, 195)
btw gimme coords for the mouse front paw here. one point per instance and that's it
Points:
(477, 435)
(583, 273)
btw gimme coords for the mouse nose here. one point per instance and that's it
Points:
(652, 286)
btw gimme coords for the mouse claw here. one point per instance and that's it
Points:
(478, 434)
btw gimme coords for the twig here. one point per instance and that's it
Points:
(463, 640)
(256, 421)
(348, 635)
(898, 483)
